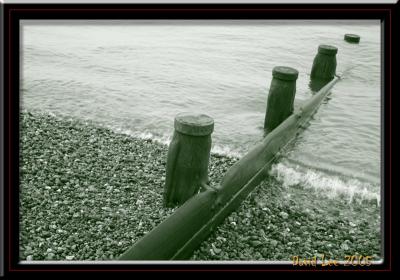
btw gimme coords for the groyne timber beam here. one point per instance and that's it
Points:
(181, 233)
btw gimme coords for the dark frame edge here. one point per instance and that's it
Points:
(386, 81)
(2, 185)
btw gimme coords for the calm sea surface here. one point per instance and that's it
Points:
(134, 77)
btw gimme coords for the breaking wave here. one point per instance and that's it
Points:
(332, 186)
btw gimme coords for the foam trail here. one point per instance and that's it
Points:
(226, 151)
(144, 135)
(352, 189)
(166, 139)
(287, 172)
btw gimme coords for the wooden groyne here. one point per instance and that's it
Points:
(181, 233)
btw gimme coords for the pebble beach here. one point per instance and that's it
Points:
(88, 193)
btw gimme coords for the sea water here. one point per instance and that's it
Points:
(135, 76)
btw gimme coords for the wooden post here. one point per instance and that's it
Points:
(183, 231)
(280, 97)
(324, 65)
(352, 38)
(188, 158)
(316, 84)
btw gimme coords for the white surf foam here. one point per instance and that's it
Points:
(332, 186)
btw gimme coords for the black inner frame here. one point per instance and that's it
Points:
(13, 13)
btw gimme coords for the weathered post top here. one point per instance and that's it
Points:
(285, 73)
(327, 49)
(194, 124)
(280, 97)
(188, 158)
(352, 38)
(324, 64)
